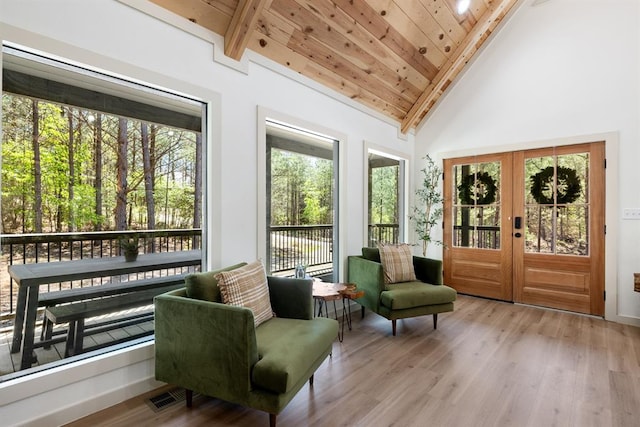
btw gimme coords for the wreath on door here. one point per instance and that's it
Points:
(477, 189)
(567, 189)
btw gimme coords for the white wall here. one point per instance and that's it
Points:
(559, 72)
(112, 36)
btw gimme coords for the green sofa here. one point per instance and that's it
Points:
(395, 301)
(215, 350)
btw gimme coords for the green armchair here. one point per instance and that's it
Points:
(215, 350)
(395, 301)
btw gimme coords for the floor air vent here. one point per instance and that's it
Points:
(166, 399)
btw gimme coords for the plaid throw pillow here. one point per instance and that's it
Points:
(247, 287)
(397, 263)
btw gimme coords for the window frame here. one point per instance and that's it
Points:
(403, 190)
(139, 91)
(265, 114)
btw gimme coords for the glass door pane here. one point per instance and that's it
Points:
(557, 205)
(476, 205)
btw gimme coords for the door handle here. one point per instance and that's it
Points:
(518, 223)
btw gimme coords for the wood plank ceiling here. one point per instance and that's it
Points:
(396, 56)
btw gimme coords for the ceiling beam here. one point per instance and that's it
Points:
(241, 27)
(448, 72)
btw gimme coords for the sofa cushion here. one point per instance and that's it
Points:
(372, 254)
(247, 287)
(415, 294)
(287, 348)
(204, 286)
(397, 263)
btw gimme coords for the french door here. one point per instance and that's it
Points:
(528, 226)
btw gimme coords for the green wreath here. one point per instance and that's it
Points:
(567, 189)
(477, 189)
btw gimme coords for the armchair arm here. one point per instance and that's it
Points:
(428, 270)
(204, 346)
(367, 275)
(291, 298)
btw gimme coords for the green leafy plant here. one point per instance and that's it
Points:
(129, 247)
(428, 209)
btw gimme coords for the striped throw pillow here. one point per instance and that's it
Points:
(397, 263)
(247, 287)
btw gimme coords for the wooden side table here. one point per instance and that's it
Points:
(348, 294)
(324, 292)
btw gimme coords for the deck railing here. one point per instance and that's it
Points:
(383, 233)
(310, 245)
(485, 237)
(53, 247)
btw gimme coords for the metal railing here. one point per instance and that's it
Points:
(310, 245)
(383, 233)
(485, 237)
(54, 247)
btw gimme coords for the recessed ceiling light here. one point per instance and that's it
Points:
(463, 6)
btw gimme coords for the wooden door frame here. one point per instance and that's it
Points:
(612, 150)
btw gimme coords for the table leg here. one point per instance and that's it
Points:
(79, 341)
(71, 339)
(320, 306)
(21, 305)
(29, 327)
(346, 310)
(341, 331)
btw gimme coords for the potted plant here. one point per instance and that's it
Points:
(428, 209)
(129, 247)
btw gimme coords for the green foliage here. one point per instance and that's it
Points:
(301, 189)
(129, 244)
(428, 209)
(172, 153)
(384, 195)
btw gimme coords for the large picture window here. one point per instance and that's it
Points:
(385, 198)
(302, 226)
(90, 161)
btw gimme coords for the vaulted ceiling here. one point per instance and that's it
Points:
(396, 56)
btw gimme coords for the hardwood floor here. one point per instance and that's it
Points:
(488, 364)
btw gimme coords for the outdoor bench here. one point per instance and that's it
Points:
(75, 314)
(55, 298)
(29, 277)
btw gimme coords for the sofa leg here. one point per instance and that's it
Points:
(311, 381)
(189, 397)
(272, 420)
(393, 327)
(363, 311)
(435, 320)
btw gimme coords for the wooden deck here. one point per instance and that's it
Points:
(10, 363)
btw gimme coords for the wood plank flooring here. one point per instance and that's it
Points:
(488, 364)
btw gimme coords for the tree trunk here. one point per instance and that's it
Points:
(148, 177)
(71, 182)
(37, 172)
(98, 167)
(121, 177)
(197, 199)
(153, 154)
(59, 211)
(166, 192)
